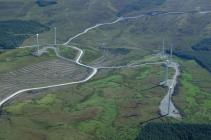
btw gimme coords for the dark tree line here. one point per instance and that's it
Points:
(203, 45)
(43, 3)
(178, 131)
(201, 53)
(9, 31)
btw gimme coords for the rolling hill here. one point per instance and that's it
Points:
(114, 102)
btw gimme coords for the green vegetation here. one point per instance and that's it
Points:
(18, 58)
(47, 100)
(193, 95)
(10, 30)
(43, 3)
(175, 131)
(17, 109)
(67, 52)
(116, 51)
(110, 106)
(90, 54)
(194, 102)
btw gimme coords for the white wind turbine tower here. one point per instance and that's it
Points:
(171, 53)
(55, 36)
(38, 46)
(167, 72)
(163, 48)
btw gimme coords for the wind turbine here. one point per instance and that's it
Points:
(171, 53)
(32, 35)
(55, 36)
(167, 72)
(163, 48)
(38, 46)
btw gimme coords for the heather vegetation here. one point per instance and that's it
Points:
(110, 106)
(113, 103)
(137, 5)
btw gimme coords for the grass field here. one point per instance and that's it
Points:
(107, 107)
(67, 52)
(193, 97)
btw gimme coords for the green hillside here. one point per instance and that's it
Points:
(112, 105)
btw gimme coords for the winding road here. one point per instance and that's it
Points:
(77, 61)
(167, 106)
(164, 107)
